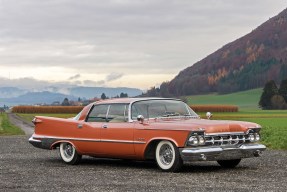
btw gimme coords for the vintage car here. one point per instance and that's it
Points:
(165, 130)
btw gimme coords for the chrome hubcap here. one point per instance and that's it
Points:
(166, 154)
(68, 150)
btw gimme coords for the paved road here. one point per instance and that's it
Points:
(25, 168)
(27, 127)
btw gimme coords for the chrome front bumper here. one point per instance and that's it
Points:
(214, 153)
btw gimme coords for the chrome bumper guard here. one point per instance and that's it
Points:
(221, 152)
(35, 142)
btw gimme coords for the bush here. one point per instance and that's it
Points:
(214, 108)
(47, 109)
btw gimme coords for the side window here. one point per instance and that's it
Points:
(98, 113)
(118, 113)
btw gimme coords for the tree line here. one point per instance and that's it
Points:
(66, 101)
(274, 97)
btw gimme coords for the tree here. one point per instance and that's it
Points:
(103, 96)
(270, 89)
(278, 102)
(66, 102)
(283, 89)
(123, 95)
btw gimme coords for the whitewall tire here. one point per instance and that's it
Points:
(69, 154)
(167, 156)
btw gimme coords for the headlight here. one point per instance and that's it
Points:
(252, 138)
(201, 140)
(193, 140)
(257, 136)
(196, 140)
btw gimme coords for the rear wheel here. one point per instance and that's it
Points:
(69, 154)
(229, 163)
(168, 157)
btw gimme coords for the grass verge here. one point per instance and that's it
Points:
(6, 128)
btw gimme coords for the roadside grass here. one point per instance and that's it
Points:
(7, 128)
(274, 131)
(273, 122)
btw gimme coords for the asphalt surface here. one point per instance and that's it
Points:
(25, 168)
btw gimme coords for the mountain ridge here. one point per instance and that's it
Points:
(16, 96)
(246, 63)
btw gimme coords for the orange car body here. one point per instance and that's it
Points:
(134, 138)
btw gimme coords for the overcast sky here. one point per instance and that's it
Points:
(132, 43)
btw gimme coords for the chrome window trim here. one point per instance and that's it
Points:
(152, 99)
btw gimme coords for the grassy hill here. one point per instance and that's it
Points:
(245, 100)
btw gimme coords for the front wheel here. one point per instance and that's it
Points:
(168, 157)
(69, 154)
(229, 163)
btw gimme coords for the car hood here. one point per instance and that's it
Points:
(210, 126)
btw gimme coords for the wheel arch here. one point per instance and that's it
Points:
(58, 143)
(149, 152)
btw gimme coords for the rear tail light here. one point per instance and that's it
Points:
(35, 121)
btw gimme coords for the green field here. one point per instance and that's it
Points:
(245, 100)
(6, 128)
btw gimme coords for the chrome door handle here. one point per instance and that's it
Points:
(105, 126)
(80, 126)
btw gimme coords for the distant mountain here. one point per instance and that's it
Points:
(16, 96)
(91, 92)
(8, 92)
(246, 63)
(36, 98)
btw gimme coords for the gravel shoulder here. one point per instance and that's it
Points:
(25, 168)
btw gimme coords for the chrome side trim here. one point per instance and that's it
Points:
(90, 140)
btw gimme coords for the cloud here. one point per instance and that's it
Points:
(122, 36)
(77, 76)
(32, 84)
(93, 83)
(114, 76)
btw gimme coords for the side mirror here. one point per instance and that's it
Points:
(140, 118)
(208, 115)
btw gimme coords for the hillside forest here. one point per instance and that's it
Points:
(246, 63)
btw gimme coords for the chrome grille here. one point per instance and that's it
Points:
(226, 139)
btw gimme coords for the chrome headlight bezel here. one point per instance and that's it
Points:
(195, 139)
(253, 135)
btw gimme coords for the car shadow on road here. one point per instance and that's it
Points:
(194, 167)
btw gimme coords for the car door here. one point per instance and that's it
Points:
(90, 130)
(117, 134)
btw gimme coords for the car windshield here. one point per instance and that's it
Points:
(161, 109)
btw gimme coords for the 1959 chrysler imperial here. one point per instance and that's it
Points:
(165, 130)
